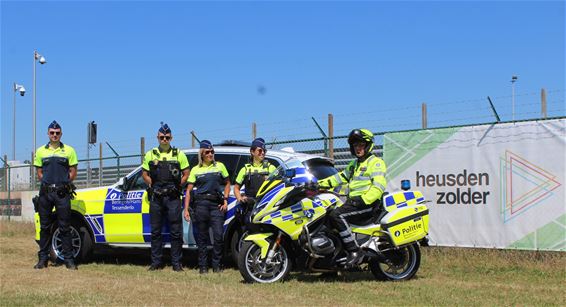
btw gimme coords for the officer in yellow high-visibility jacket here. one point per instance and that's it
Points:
(365, 177)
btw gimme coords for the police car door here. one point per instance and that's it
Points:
(126, 212)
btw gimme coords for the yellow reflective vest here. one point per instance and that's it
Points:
(365, 179)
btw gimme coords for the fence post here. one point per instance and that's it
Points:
(324, 136)
(142, 148)
(32, 171)
(543, 102)
(424, 115)
(330, 136)
(7, 187)
(100, 165)
(254, 131)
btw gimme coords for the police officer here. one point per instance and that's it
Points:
(56, 168)
(252, 175)
(212, 187)
(365, 177)
(165, 170)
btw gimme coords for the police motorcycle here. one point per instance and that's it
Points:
(288, 226)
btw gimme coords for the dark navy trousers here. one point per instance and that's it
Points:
(159, 207)
(209, 216)
(48, 200)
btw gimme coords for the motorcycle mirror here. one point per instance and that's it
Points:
(290, 173)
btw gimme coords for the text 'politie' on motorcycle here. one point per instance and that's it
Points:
(288, 227)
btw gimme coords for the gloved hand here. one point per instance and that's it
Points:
(356, 201)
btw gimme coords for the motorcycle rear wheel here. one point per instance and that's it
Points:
(254, 269)
(402, 264)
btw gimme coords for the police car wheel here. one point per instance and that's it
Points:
(236, 242)
(81, 243)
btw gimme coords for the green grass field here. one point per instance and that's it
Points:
(448, 276)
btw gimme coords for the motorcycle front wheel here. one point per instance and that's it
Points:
(401, 264)
(254, 269)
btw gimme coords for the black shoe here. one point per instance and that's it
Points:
(178, 268)
(203, 271)
(217, 269)
(155, 267)
(41, 264)
(70, 264)
(353, 259)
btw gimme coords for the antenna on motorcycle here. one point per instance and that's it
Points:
(272, 143)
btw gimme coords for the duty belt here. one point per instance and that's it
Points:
(164, 192)
(53, 187)
(211, 197)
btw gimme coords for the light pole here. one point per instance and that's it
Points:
(39, 58)
(22, 90)
(513, 80)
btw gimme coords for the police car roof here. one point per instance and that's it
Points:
(283, 155)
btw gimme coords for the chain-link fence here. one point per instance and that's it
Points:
(104, 171)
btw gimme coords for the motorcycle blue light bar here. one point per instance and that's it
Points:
(405, 185)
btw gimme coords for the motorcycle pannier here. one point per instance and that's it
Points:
(407, 224)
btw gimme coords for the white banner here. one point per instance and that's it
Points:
(498, 185)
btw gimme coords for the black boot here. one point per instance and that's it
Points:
(41, 264)
(155, 267)
(178, 267)
(353, 259)
(70, 264)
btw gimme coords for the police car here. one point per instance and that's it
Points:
(118, 215)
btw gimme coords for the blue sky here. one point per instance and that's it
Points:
(198, 66)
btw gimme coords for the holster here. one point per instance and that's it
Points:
(35, 201)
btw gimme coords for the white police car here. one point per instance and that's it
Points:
(118, 215)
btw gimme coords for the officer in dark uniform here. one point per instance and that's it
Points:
(251, 176)
(210, 179)
(56, 168)
(165, 170)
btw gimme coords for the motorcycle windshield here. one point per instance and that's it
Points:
(283, 174)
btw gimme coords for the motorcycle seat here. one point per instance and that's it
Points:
(374, 218)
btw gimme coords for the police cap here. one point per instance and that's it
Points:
(54, 125)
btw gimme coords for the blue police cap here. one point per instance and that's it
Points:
(206, 144)
(164, 128)
(54, 125)
(259, 142)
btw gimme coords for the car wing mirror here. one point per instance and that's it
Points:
(123, 184)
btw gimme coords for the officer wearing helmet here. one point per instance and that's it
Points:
(365, 178)
(165, 170)
(56, 165)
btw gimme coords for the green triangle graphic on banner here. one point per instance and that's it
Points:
(403, 149)
(552, 236)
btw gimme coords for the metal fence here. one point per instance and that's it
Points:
(105, 171)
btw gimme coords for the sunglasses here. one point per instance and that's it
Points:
(165, 137)
(209, 152)
(260, 150)
(54, 132)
